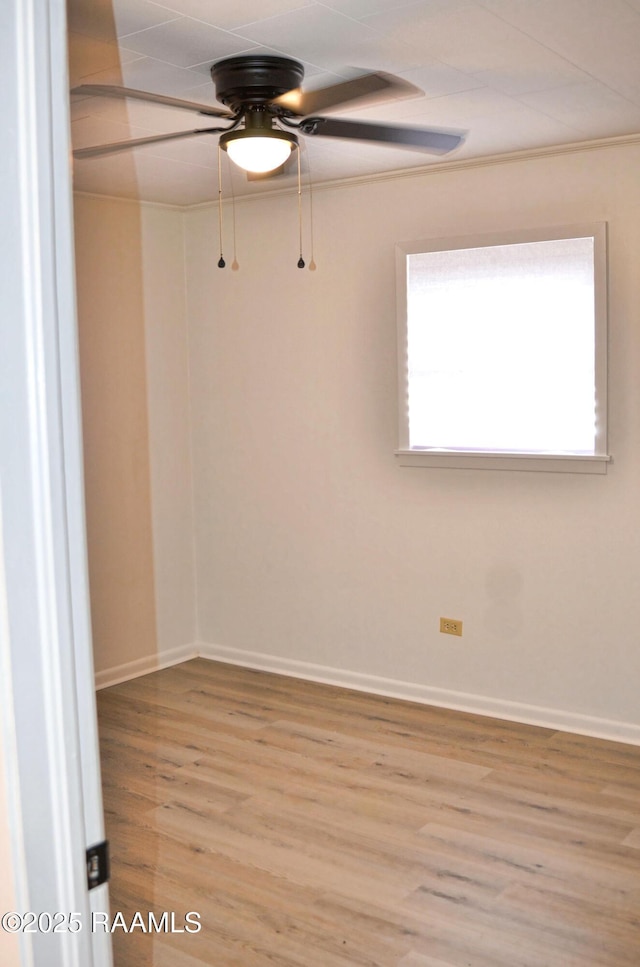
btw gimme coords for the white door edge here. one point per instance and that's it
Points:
(48, 704)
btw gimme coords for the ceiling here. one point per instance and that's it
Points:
(513, 74)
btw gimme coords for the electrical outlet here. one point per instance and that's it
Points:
(451, 626)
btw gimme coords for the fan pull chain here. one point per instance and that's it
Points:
(234, 265)
(312, 264)
(221, 261)
(300, 260)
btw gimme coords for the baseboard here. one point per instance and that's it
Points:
(549, 718)
(142, 666)
(427, 695)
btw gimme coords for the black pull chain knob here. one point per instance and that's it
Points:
(221, 263)
(300, 263)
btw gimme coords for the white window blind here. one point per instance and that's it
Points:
(501, 347)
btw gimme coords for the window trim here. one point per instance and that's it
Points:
(489, 460)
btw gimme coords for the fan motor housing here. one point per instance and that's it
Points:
(252, 81)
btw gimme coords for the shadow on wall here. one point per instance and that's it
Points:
(109, 279)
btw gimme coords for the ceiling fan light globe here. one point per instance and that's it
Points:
(258, 154)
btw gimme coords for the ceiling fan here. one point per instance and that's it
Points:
(264, 98)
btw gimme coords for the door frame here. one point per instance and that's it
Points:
(47, 695)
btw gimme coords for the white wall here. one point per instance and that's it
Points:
(134, 368)
(9, 949)
(314, 547)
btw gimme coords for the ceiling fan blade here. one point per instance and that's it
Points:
(373, 88)
(110, 90)
(114, 146)
(437, 142)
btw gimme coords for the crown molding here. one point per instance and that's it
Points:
(437, 168)
(125, 200)
(397, 174)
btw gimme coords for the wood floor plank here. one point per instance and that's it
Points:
(312, 826)
(633, 839)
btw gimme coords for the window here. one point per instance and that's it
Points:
(502, 351)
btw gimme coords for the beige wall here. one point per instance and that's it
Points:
(313, 546)
(130, 283)
(169, 426)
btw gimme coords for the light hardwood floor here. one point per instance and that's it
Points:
(312, 826)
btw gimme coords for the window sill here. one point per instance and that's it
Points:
(549, 463)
